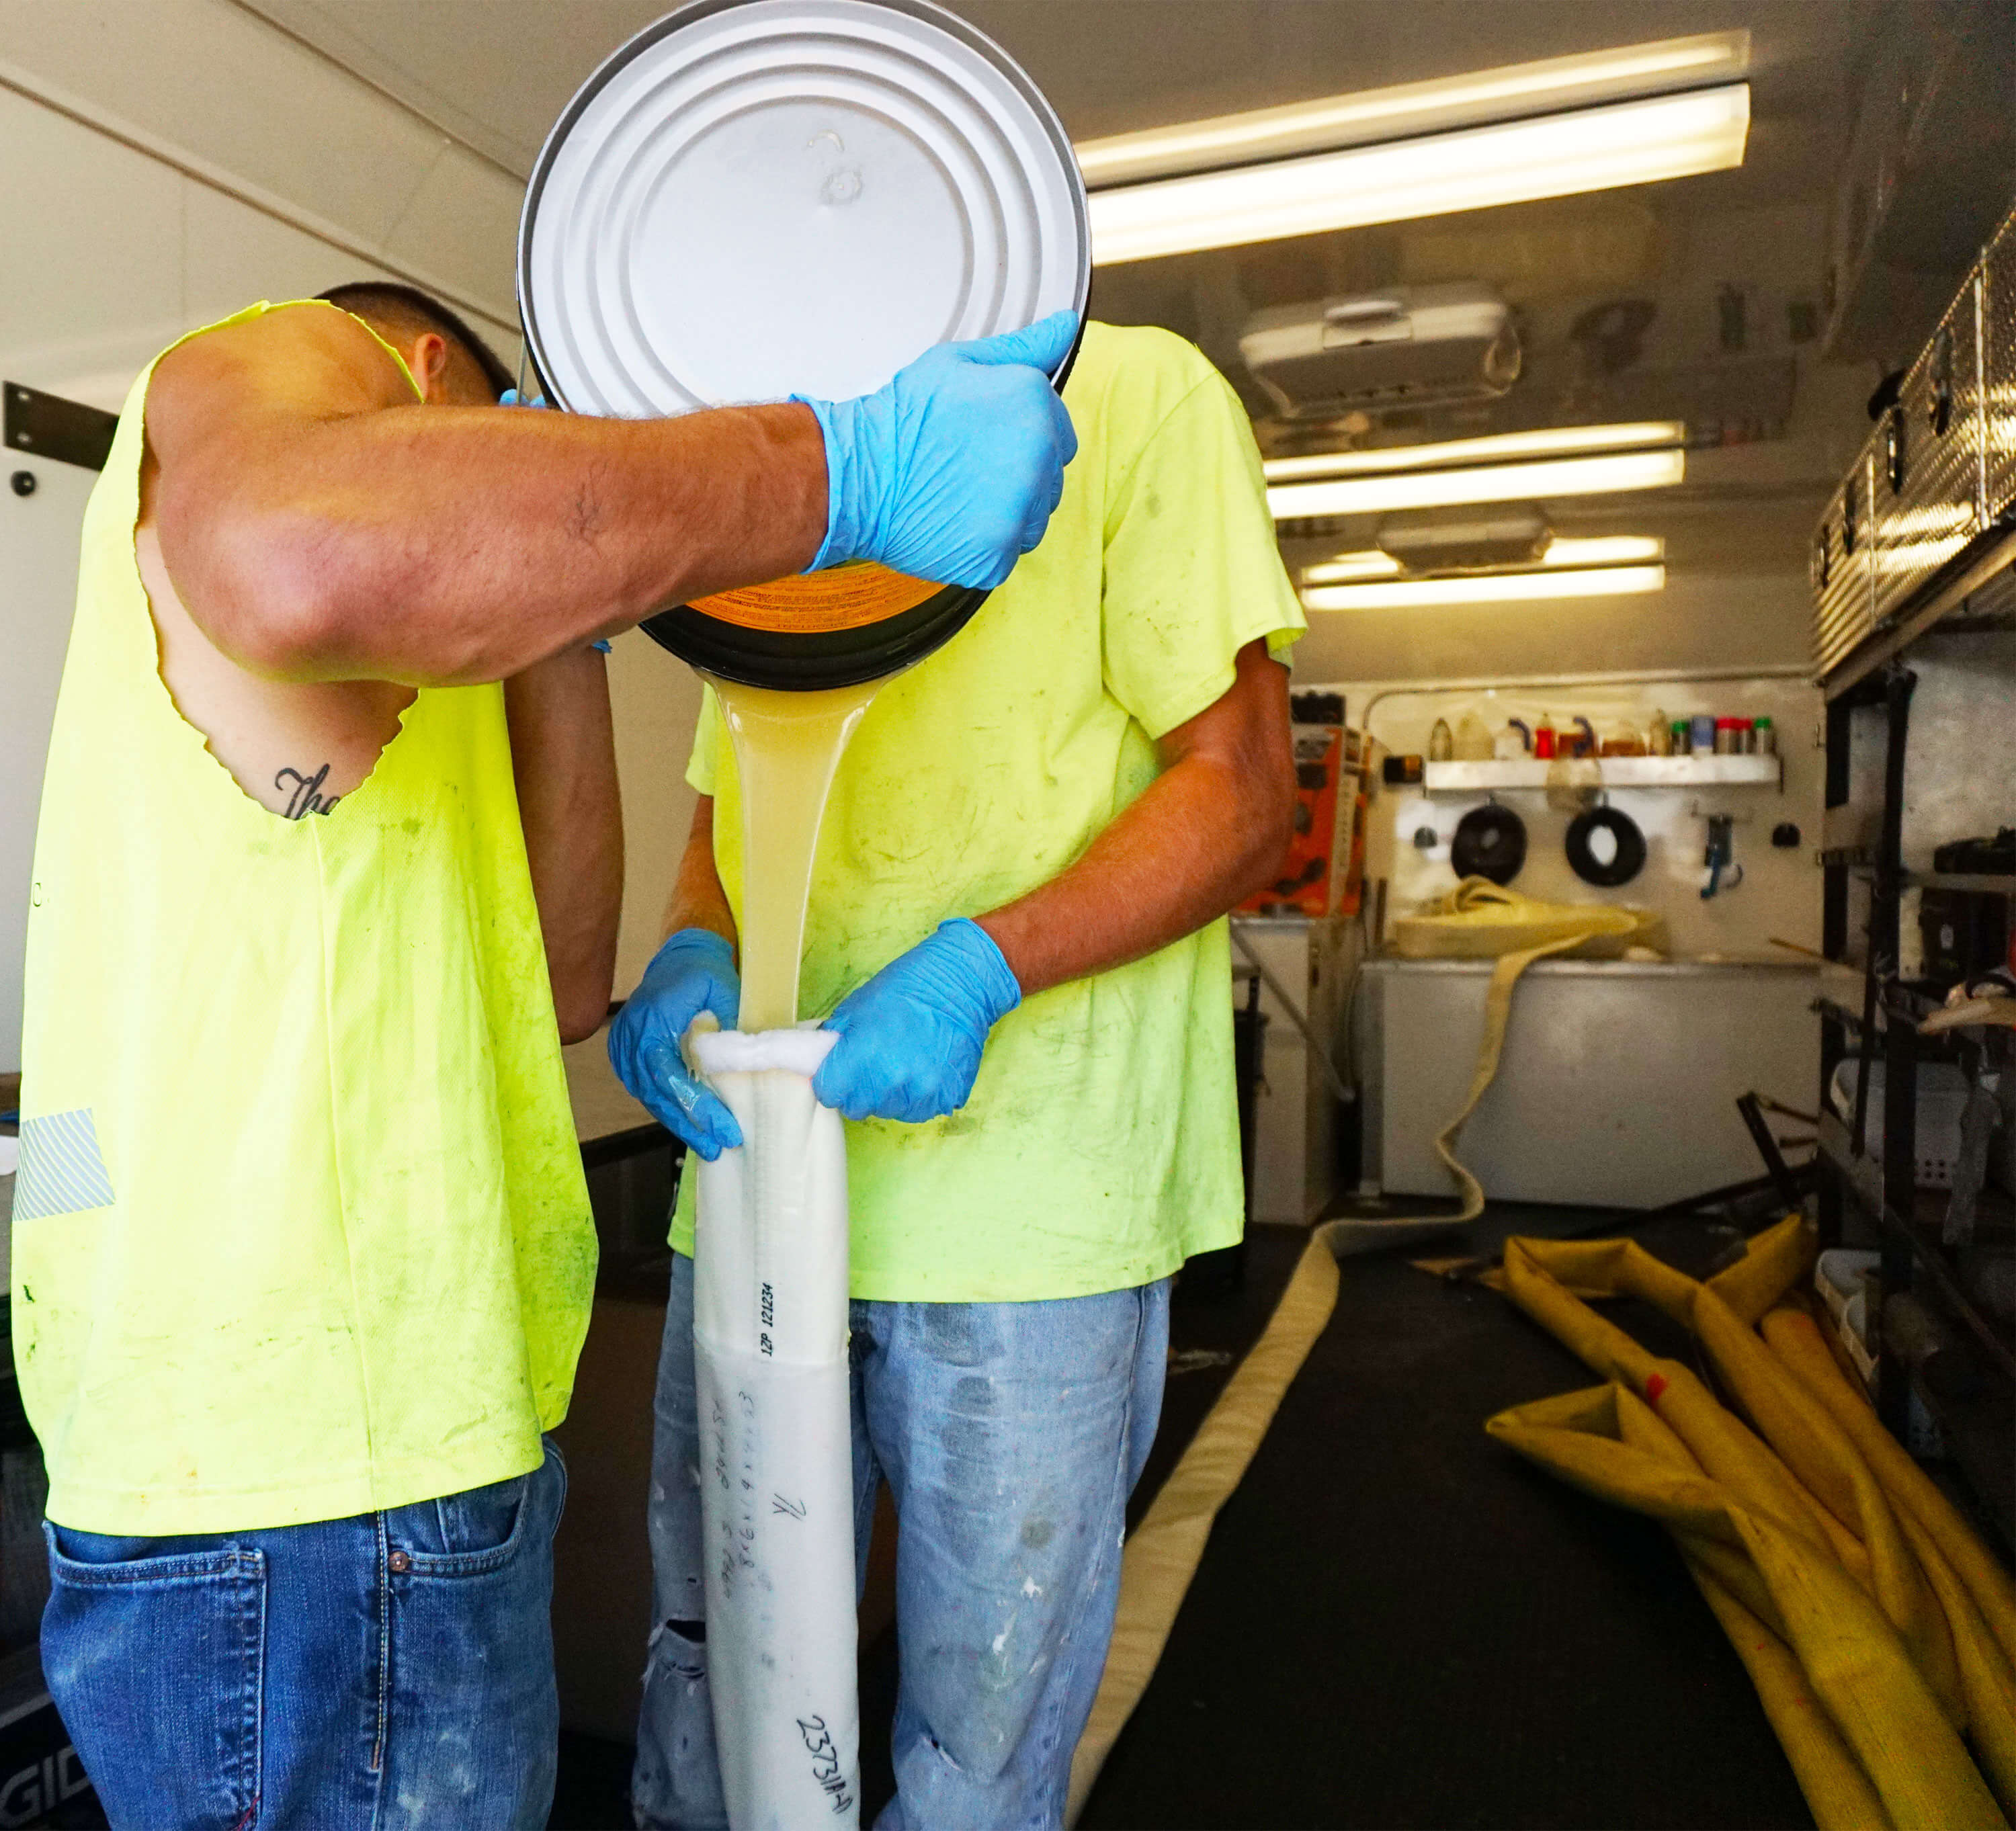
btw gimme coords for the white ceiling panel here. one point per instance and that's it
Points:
(497, 73)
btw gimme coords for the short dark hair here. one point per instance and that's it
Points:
(403, 304)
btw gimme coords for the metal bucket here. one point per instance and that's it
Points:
(753, 198)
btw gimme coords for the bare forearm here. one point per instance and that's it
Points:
(698, 900)
(456, 544)
(563, 754)
(1201, 840)
(1208, 832)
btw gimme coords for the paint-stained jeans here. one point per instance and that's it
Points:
(388, 1672)
(1010, 1435)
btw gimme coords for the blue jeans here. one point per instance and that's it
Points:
(1010, 1435)
(384, 1673)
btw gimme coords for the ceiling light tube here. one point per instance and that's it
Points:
(1611, 473)
(1475, 168)
(1599, 550)
(1328, 122)
(1546, 441)
(1605, 550)
(1595, 581)
(1369, 564)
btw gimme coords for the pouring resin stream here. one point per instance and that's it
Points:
(787, 746)
(770, 1292)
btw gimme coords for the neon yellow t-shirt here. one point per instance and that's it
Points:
(1100, 1148)
(300, 1229)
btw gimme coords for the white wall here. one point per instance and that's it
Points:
(1780, 894)
(120, 227)
(210, 85)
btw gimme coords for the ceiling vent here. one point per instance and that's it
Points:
(1512, 535)
(1405, 347)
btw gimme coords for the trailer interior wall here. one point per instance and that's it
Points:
(157, 179)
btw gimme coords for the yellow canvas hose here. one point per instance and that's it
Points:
(1866, 1634)
(1836, 1789)
(1795, 1339)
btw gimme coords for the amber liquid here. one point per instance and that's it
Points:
(786, 748)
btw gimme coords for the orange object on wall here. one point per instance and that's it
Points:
(1323, 872)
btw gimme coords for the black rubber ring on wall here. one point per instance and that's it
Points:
(1630, 858)
(1490, 842)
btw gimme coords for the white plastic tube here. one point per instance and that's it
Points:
(776, 1478)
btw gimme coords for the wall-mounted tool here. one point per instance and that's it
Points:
(1724, 872)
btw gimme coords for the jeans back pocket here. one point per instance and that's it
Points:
(155, 1663)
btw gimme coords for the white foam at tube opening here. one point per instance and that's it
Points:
(732, 1052)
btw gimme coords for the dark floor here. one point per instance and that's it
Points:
(1397, 1623)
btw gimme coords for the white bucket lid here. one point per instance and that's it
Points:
(758, 198)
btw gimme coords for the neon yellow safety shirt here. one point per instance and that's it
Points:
(299, 1228)
(1100, 1147)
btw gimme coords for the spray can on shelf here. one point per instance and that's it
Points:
(1766, 736)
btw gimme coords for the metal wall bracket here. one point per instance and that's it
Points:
(47, 426)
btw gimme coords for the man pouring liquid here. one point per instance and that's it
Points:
(328, 865)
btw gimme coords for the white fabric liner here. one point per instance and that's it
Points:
(770, 1288)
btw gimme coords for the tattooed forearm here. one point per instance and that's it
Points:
(303, 793)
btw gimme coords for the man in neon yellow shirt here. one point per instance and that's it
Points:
(1015, 919)
(329, 857)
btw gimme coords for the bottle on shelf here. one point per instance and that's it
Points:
(1544, 738)
(1441, 743)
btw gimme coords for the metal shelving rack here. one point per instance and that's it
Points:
(1945, 456)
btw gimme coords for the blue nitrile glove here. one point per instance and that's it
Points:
(910, 1038)
(692, 973)
(951, 472)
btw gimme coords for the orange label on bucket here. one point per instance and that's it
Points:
(841, 597)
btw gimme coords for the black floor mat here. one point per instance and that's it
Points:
(1399, 1624)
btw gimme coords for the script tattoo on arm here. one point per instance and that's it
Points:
(303, 793)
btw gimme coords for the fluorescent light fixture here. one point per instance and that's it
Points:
(1607, 473)
(1475, 168)
(1606, 550)
(1548, 441)
(1371, 563)
(1601, 550)
(1410, 110)
(1488, 587)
